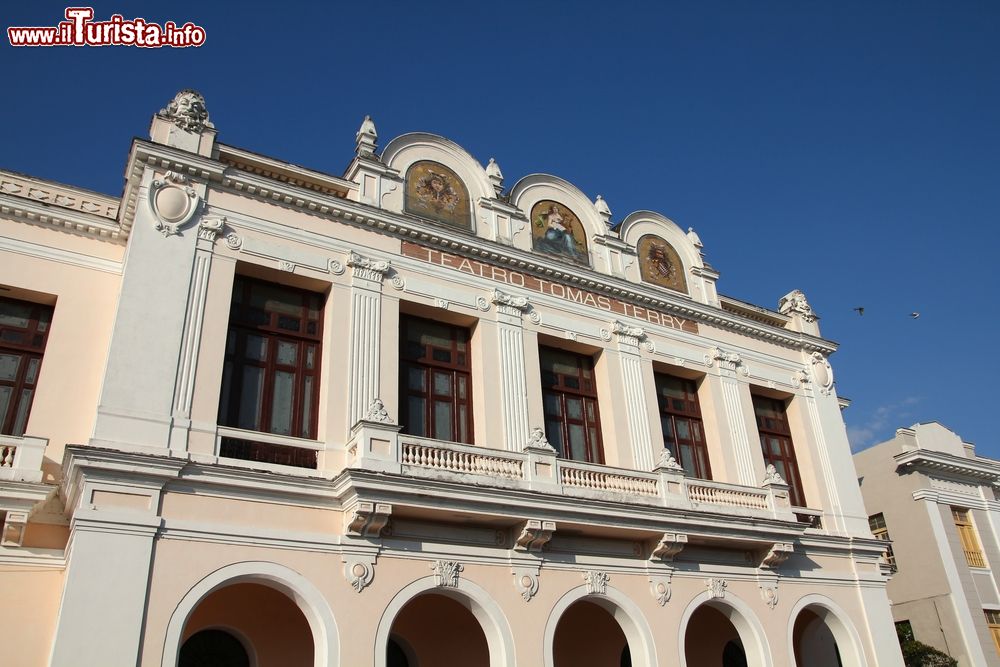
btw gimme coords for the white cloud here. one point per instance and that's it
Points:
(874, 428)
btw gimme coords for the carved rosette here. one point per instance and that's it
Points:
(359, 572)
(336, 267)
(526, 582)
(367, 269)
(397, 281)
(597, 582)
(716, 587)
(659, 588)
(233, 241)
(173, 201)
(628, 335)
(447, 572)
(534, 535)
(210, 227)
(377, 413)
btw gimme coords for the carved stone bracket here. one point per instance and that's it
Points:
(716, 586)
(534, 535)
(377, 413)
(597, 582)
(508, 304)
(447, 572)
(359, 570)
(13, 529)
(538, 443)
(368, 269)
(659, 587)
(628, 335)
(368, 519)
(526, 581)
(776, 555)
(173, 201)
(210, 227)
(669, 546)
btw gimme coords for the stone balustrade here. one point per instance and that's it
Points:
(21, 458)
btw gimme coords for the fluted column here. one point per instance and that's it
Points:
(729, 364)
(513, 390)
(634, 394)
(366, 332)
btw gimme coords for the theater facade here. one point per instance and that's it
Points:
(254, 414)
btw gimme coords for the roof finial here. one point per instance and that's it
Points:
(366, 139)
(603, 210)
(495, 175)
(693, 238)
(187, 111)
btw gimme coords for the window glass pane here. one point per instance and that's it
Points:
(250, 398)
(21, 418)
(9, 364)
(702, 463)
(574, 408)
(15, 314)
(775, 445)
(782, 470)
(227, 387)
(554, 434)
(287, 352)
(463, 424)
(590, 410)
(695, 431)
(416, 408)
(683, 432)
(687, 459)
(443, 420)
(577, 442)
(571, 382)
(287, 323)
(5, 393)
(256, 347)
(310, 357)
(461, 386)
(552, 404)
(668, 433)
(10, 336)
(307, 400)
(442, 384)
(444, 356)
(595, 454)
(281, 403)
(416, 379)
(276, 299)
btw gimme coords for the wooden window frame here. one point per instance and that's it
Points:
(561, 390)
(971, 545)
(993, 623)
(31, 347)
(879, 529)
(690, 411)
(430, 366)
(779, 430)
(244, 321)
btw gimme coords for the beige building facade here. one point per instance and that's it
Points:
(928, 492)
(260, 415)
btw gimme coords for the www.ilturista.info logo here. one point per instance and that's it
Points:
(79, 29)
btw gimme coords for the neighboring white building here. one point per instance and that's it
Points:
(930, 493)
(407, 416)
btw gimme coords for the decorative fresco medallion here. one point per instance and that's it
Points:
(660, 264)
(555, 230)
(434, 191)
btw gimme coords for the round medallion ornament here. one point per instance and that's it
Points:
(174, 202)
(822, 371)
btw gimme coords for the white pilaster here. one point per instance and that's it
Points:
(732, 400)
(366, 329)
(513, 389)
(634, 394)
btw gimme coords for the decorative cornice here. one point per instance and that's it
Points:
(923, 459)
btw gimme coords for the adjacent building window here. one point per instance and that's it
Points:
(270, 381)
(569, 396)
(967, 534)
(680, 416)
(776, 442)
(435, 380)
(993, 620)
(24, 329)
(876, 522)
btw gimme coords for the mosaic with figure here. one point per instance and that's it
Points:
(434, 191)
(556, 230)
(660, 264)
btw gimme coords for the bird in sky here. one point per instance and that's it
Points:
(860, 310)
(914, 314)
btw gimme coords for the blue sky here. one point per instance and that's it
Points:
(848, 149)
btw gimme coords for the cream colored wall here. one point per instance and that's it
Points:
(85, 300)
(28, 614)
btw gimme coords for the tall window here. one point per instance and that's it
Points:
(435, 380)
(993, 621)
(967, 534)
(569, 396)
(270, 379)
(876, 522)
(680, 416)
(24, 329)
(776, 443)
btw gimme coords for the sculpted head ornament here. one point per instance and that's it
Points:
(187, 111)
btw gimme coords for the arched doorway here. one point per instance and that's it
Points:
(814, 642)
(262, 621)
(434, 630)
(722, 633)
(587, 634)
(820, 635)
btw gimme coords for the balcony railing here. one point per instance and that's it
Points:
(729, 495)
(21, 458)
(267, 448)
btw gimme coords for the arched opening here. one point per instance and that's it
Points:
(587, 634)
(712, 640)
(433, 629)
(265, 623)
(814, 642)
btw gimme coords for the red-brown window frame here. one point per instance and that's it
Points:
(428, 365)
(779, 430)
(560, 390)
(35, 336)
(268, 324)
(690, 411)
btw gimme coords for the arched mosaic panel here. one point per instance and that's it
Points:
(660, 264)
(555, 230)
(436, 192)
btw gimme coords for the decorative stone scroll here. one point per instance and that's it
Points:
(368, 519)
(526, 581)
(210, 227)
(659, 587)
(508, 304)
(730, 361)
(377, 413)
(535, 534)
(669, 546)
(447, 572)
(776, 555)
(359, 571)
